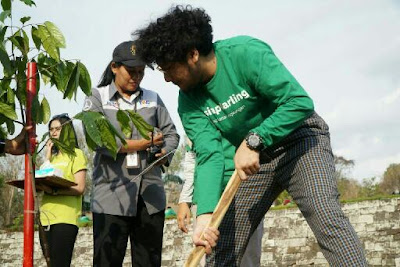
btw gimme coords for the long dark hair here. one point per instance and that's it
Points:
(108, 76)
(65, 121)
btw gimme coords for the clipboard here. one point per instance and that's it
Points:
(52, 181)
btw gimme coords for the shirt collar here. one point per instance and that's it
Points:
(113, 92)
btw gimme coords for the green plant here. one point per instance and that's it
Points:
(40, 43)
(20, 43)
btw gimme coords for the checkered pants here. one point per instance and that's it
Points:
(303, 165)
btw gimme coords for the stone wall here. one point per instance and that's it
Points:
(287, 239)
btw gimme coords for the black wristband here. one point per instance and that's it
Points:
(2, 146)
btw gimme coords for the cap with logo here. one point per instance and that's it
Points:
(126, 54)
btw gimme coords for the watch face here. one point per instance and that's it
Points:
(253, 141)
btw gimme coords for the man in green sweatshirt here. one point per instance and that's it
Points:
(236, 93)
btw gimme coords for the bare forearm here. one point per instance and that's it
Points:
(77, 189)
(12, 147)
(8, 146)
(134, 145)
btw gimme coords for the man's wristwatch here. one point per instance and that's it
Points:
(254, 141)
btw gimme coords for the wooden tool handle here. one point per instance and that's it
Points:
(216, 219)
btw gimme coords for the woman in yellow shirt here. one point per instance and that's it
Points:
(60, 209)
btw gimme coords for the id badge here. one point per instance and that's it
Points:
(132, 160)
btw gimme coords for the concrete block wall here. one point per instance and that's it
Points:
(287, 239)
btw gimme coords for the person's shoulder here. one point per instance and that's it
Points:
(236, 40)
(150, 96)
(148, 92)
(241, 41)
(79, 153)
(96, 91)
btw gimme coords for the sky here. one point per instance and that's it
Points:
(346, 54)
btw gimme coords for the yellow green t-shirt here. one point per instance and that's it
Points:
(62, 208)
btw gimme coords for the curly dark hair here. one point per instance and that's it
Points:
(171, 37)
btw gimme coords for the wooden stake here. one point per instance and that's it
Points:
(216, 219)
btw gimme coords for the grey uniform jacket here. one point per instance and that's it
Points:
(114, 191)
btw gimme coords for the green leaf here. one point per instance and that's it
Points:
(45, 110)
(59, 74)
(37, 82)
(6, 4)
(124, 120)
(69, 68)
(56, 34)
(37, 115)
(46, 67)
(84, 79)
(3, 33)
(141, 125)
(24, 19)
(8, 111)
(67, 135)
(21, 80)
(4, 15)
(26, 39)
(89, 141)
(36, 37)
(49, 43)
(28, 2)
(10, 96)
(100, 131)
(44, 137)
(17, 41)
(10, 126)
(46, 79)
(115, 132)
(73, 83)
(4, 88)
(64, 148)
(20, 43)
(108, 137)
(89, 119)
(23, 40)
(5, 61)
(41, 59)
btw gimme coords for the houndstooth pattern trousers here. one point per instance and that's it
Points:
(302, 164)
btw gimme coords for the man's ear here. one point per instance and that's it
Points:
(193, 56)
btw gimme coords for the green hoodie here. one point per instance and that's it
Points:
(251, 91)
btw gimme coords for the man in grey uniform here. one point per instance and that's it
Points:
(123, 203)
